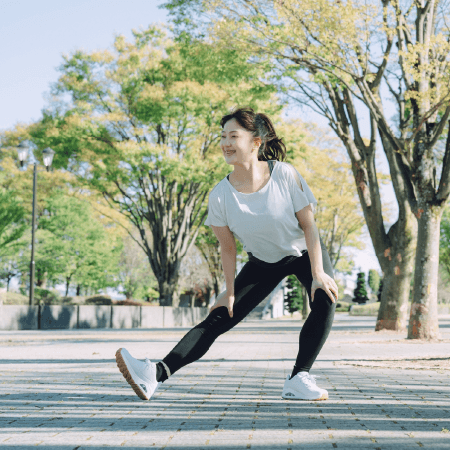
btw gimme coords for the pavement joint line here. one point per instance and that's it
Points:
(62, 389)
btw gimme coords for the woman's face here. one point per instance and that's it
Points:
(237, 143)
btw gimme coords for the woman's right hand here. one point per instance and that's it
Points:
(224, 299)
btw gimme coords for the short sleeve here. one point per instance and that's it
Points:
(300, 198)
(216, 216)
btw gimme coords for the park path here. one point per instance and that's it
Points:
(61, 389)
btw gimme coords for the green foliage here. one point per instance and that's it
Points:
(360, 293)
(134, 274)
(141, 127)
(444, 241)
(342, 307)
(12, 223)
(73, 247)
(46, 296)
(14, 298)
(373, 280)
(380, 289)
(11, 265)
(371, 309)
(293, 300)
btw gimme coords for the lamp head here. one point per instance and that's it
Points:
(48, 154)
(22, 150)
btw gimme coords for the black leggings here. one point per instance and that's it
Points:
(253, 284)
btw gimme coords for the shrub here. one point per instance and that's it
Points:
(46, 296)
(342, 306)
(371, 309)
(99, 300)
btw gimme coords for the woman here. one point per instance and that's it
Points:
(269, 211)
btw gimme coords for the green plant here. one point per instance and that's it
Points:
(342, 306)
(46, 296)
(293, 300)
(360, 293)
(371, 309)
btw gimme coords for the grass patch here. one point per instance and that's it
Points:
(369, 309)
(342, 306)
(14, 298)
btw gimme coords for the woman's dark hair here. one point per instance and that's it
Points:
(261, 126)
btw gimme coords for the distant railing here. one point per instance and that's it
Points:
(47, 317)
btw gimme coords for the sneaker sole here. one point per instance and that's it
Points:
(323, 397)
(126, 374)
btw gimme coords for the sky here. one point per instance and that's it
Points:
(35, 34)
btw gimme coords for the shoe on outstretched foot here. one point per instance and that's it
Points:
(141, 375)
(303, 387)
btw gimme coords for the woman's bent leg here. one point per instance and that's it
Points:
(317, 326)
(251, 286)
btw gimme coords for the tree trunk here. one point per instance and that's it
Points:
(207, 294)
(396, 249)
(423, 321)
(393, 311)
(78, 289)
(67, 285)
(41, 279)
(216, 287)
(306, 307)
(168, 294)
(8, 280)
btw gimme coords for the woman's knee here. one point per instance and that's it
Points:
(322, 302)
(214, 321)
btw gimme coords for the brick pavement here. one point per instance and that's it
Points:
(61, 389)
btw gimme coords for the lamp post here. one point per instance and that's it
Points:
(23, 150)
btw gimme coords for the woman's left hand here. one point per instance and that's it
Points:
(326, 283)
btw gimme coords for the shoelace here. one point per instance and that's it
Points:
(147, 363)
(310, 379)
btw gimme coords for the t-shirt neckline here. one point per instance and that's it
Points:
(257, 192)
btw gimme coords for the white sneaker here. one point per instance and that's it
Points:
(303, 387)
(141, 375)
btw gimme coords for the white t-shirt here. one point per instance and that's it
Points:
(264, 221)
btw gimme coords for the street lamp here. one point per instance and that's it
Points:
(48, 154)
(23, 150)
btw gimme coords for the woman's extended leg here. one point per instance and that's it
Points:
(318, 324)
(251, 286)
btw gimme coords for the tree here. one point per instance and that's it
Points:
(195, 276)
(339, 216)
(335, 56)
(209, 247)
(293, 300)
(73, 247)
(444, 244)
(373, 280)
(360, 293)
(134, 274)
(142, 128)
(380, 290)
(10, 267)
(306, 304)
(12, 223)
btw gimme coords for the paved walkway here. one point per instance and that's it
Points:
(62, 390)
